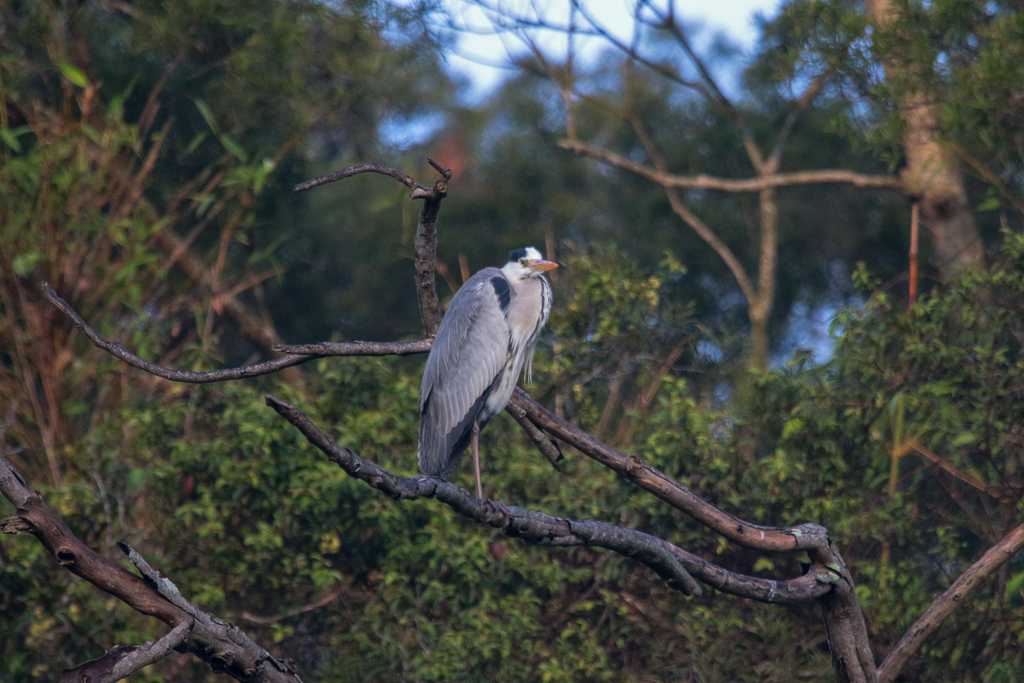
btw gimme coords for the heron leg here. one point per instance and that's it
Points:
(475, 441)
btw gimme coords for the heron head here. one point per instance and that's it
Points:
(526, 263)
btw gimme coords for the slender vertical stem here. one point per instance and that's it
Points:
(915, 211)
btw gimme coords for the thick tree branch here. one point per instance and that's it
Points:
(223, 646)
(151, 651)
(802, 537)
(994, 558)
(706, 182)
(189, 376)
(358, 348)
(669, 561)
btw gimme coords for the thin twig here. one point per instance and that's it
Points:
(296, 354)
(357, 169)
(324, 600)
(947, 467)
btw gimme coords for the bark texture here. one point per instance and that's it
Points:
(933, 174)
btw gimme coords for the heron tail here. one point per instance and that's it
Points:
(432, 461)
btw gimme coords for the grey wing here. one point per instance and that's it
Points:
(470, 351)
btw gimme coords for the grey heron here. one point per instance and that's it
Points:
(485, 341)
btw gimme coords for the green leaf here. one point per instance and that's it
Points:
(73, 74)
(965, 439)
(204, 111)
(792, 426)
(1015, 585)
(990, 203)
(10, 139)
(233, 147)
(24, 264)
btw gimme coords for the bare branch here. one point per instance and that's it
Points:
(671, 24)
(357, 169)
(755, 536)
(161, 583)
(802, 537)
(150, 652)
(297, 354)
(225, 647)
(548, 447)
(98, 669)
(802, 103)
(676, 565)
(715, 94)
(684, 213)
(425, 259)
(952, 470)
(324, 600)
(505, 20)
(937, 612)
(706, 182)
(358, 348)
(658, 68)
(189, 376)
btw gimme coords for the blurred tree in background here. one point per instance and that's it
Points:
(147, 155)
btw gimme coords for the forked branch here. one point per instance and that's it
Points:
(669, 561)
(705, 182)
(223, 646)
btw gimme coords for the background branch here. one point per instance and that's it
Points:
(944, 605)
(706, 182)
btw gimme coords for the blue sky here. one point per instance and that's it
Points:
(734, 18)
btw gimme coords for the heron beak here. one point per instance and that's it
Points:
(542, 266)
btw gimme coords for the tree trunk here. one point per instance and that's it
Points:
(759, 310)
(758, 337)
(933, 174)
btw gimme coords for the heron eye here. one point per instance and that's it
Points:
(524, 261)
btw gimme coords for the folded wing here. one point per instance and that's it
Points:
(469, 354)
